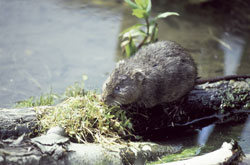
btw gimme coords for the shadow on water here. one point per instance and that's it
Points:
(51, 43)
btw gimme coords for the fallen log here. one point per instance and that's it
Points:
(228, 153)
(219, 102)
(15, 122)
(56, 148)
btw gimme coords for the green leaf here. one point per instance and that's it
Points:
(130, 48)
(144, 4)
(136, 26)
(133, 33)
(141, 3)
(166, 14)
(133, 47)
(149, 6)
(124, 43)
(140, 13)
(131, 4)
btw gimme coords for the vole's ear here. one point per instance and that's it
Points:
(138, 74)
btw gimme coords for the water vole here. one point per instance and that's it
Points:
(161, 72)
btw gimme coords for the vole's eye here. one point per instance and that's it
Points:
(117, 88)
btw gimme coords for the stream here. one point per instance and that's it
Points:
(50, 44)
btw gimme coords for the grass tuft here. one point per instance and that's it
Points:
(81, 113)
(86, 119)
(44, 99)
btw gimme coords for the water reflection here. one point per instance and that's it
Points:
(204, 134)
(214, 135)
(232, 53)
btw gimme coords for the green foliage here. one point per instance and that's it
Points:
(134, 37)
(76, 90)
(45, 99)
(50, 99)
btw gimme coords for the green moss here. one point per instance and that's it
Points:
(187, 153)
(235, 93)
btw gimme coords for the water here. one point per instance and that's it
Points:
(48, 44)
(222, 133)
(51, 44)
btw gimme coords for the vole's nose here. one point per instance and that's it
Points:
(105, 99)
(102, 98)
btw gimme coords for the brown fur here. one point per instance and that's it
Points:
(162, 72)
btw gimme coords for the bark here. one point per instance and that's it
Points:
(15, 122)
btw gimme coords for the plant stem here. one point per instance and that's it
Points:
(147, 23)
(147, 34)
(153, 33)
